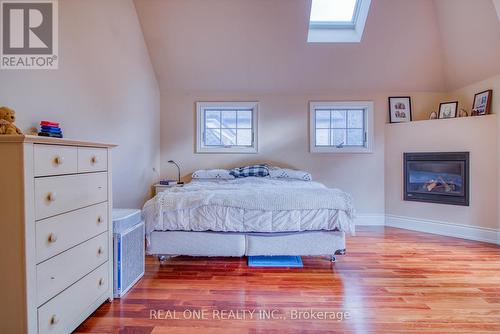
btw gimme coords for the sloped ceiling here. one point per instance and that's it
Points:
(252, 46)
(260, 46)
(470, 36)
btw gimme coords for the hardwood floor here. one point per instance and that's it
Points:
(390, 281)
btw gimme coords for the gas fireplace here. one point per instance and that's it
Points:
(437, 177)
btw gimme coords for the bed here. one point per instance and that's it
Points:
(248, 216)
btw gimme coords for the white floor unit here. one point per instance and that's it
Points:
(128, 249)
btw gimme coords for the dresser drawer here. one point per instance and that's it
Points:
(60, 314)
(57, 234)
(59, 272)
(58, 194)
(55, 160)
(92, 159)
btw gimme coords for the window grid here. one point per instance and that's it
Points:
(221, 127)
(346, 128)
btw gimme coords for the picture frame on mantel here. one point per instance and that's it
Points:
(400, 109)
(482, 103)
(448, 110)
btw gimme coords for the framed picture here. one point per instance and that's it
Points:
(400, 109)
(448, 109)
(482, 103)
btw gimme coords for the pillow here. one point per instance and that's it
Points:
(222, 174)
(285, 173)
(255, 170)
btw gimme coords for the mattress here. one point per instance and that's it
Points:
(230, 219)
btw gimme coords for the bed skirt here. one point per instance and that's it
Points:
(245, 244)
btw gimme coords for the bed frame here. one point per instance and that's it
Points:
(165, 244)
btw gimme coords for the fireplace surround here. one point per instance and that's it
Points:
(438, 177)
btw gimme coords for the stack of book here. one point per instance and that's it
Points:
(168, 182)
(50, 129)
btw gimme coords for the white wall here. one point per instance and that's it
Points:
(465, 97)
(470, 39)
(104, 90)
(477, 135)
(283, 140)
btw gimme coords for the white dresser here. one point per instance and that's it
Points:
(55, 229)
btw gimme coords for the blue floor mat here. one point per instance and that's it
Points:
(275, 261)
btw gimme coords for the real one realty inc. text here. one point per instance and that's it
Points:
(248, 314)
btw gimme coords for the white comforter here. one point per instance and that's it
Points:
(251, 204)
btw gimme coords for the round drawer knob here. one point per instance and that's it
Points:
(93, 160)
(51, 197)
(58, 160)
(101, 281)
(52, 238)
(99, 219)
(99, 251)
(53, 319)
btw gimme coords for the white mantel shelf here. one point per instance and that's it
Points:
(488, 118)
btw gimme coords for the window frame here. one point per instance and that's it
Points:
(200, 127)
(367, 106)
(341, 32)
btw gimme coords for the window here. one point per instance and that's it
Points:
(227, 127)
(341, 21)
(341, 127)
(333, 12)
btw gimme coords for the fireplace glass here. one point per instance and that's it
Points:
(437, 177)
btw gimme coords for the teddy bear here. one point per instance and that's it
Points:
(7, 119)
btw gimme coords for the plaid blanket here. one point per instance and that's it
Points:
(255, 170)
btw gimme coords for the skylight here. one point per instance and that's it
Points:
(337, 21)
(333, 11)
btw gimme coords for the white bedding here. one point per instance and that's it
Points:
(252, 204)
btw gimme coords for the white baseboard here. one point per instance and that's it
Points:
(369, 220)
(489, 235)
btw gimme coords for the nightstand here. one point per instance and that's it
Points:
(162, 187)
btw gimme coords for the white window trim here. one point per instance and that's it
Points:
(201, 148)
(366, 105)
(341, 33)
